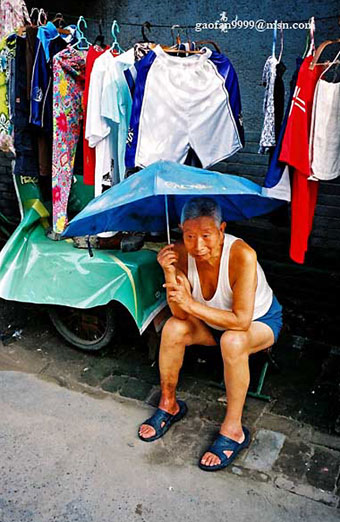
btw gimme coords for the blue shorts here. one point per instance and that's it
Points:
(273, 318)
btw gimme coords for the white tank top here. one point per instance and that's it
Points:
(223, 297)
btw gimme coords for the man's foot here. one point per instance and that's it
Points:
(223, 451)
(210, 459)
(146, 431)
(159, 423)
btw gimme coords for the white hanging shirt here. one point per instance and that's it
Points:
(100, 132)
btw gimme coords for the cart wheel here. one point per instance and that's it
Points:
(89, 329)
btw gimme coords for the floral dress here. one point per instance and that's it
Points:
(13, 14)
(7, 54)
(68, 89)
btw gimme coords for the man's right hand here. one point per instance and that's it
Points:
(168, 258)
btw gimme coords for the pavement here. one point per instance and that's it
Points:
(71, 457)
(70, 421)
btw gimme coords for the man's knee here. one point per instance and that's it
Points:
(234, 344)
(177, 329)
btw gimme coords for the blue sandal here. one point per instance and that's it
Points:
(160, 416)
(221, 444)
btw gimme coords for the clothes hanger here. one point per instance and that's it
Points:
(319, 51)
(211, 42)
(282, 43)
(330, 64)
(274, 38)
(115, 43)
(100, 38)
(59, 19)
(189, 39)
(42, 17)
(82, 42)
(310, 44)
(34, 15)
(274, 41)
(177, 42)
(146, 25)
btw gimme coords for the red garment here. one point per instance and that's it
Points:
(304, 198)
(295, 152)
(89, 154)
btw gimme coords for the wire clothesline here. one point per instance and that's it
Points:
(138, 24)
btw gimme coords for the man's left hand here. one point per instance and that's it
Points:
(179, 294)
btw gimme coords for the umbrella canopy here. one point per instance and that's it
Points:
(139, 202)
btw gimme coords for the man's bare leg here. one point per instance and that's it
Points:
(236, 346)
(176, 335)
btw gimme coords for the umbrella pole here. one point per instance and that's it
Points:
(167, 218)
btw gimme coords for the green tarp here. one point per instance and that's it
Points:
(35, 269)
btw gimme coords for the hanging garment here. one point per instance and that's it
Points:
(48, 44)
(304, 199)
(99, 131)
(7, 53)
(181, 102)
(141, 49)
(116, 108)
(31, 37)
(89, 153)
(11, 86)
(295, 152)
(279, 98)
(13, 14)
(277, 182)
(68, 88)
(267, 139)
(325, 132)
(25, 139)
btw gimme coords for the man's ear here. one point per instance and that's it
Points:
(180, 226)
(223, 226)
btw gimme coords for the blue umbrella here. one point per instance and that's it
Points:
(152, 200)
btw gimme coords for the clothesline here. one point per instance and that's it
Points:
(135, 24)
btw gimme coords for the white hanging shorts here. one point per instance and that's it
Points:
(183, 102)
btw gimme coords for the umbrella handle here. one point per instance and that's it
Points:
(167, 218)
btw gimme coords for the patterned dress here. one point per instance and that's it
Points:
(68, 88)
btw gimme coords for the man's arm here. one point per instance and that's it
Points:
(169, 258)
(243, 281)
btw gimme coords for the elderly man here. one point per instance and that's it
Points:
(218, 294)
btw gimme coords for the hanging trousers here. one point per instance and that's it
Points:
(304, 199)
(68, 88)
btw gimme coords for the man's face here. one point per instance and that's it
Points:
(202, 237)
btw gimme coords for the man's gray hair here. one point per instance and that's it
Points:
(201, 207)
